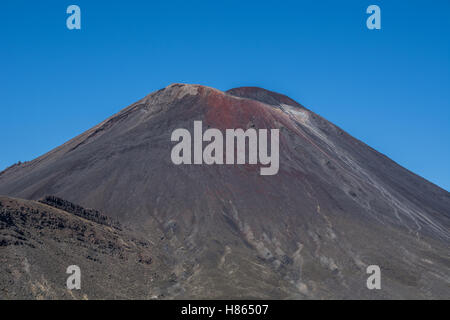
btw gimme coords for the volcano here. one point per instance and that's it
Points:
(335, 207)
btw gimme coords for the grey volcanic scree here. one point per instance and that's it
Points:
(310, 231)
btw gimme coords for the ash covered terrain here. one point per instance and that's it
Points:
(159, 230)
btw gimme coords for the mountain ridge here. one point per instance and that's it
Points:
(335, 206)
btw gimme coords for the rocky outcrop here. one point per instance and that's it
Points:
(89, 214)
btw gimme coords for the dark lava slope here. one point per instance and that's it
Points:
(335, 206)
(38, 242)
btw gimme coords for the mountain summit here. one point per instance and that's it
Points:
(335, 206)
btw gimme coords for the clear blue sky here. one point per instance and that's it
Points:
(389, 88)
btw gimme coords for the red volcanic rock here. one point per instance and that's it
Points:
(335, 207)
